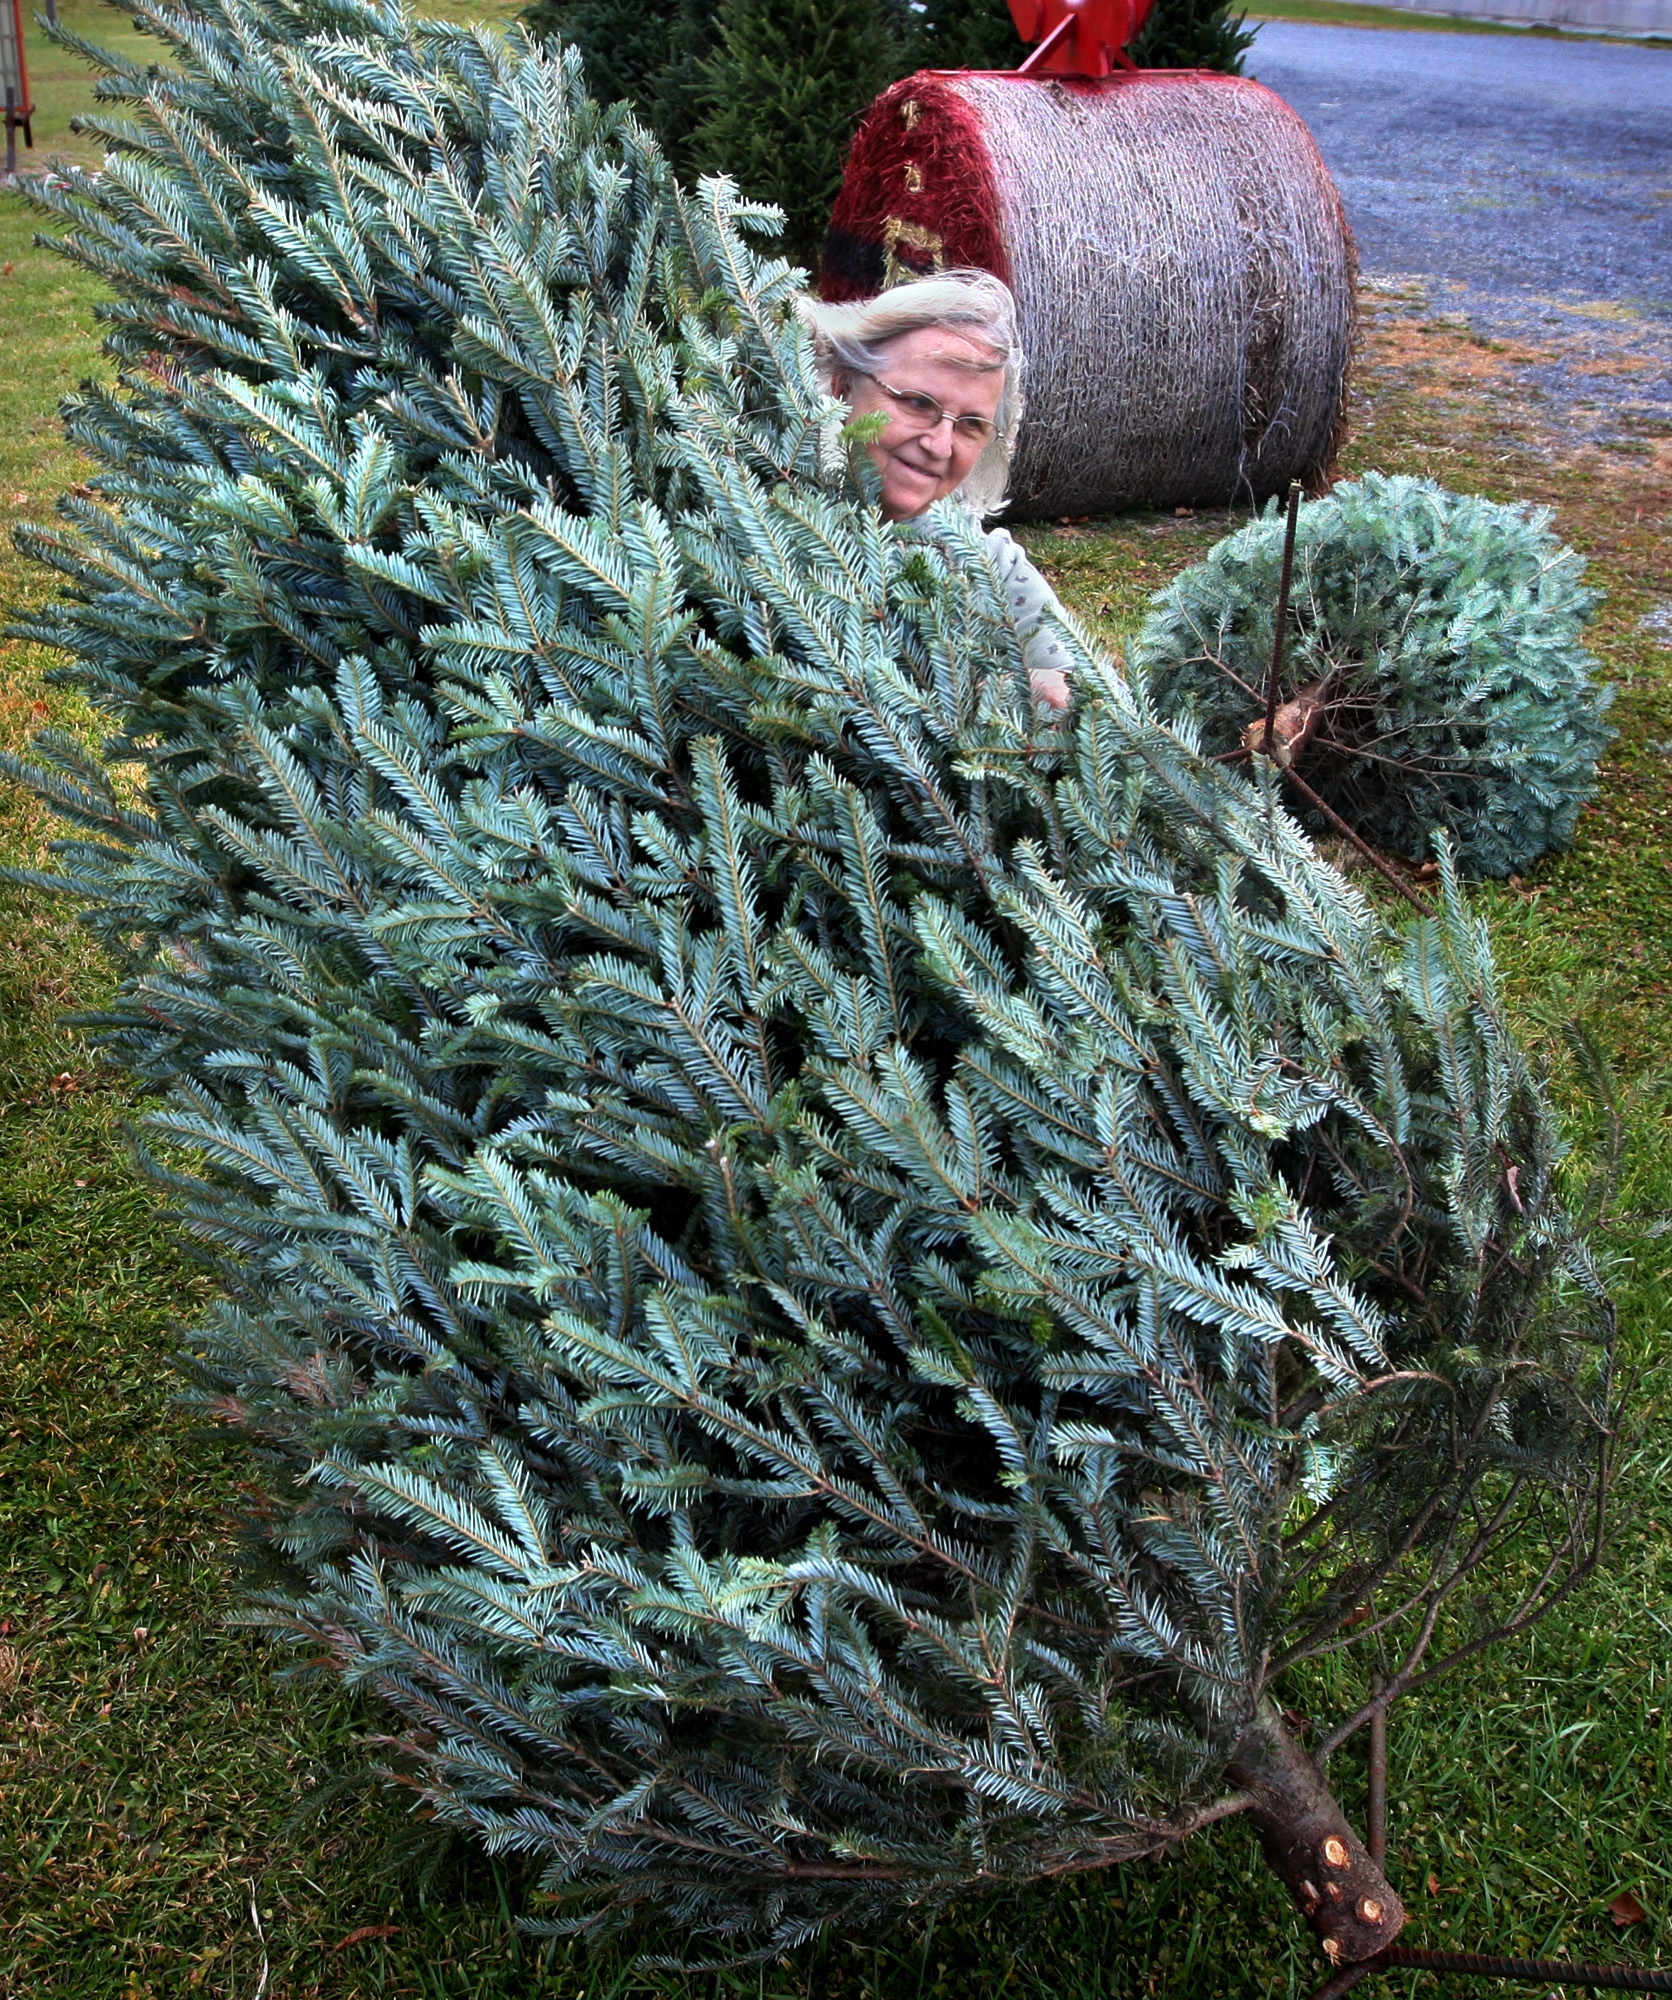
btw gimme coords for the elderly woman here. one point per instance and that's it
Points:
(939, 358)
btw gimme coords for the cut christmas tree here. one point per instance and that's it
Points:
(836, 1286)
(1433, 681)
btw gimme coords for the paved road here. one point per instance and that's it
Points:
(1529, 180)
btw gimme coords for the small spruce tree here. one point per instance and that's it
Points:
(833, 1285)
(785, 89)
(981, 34)
(1435, 682)
(963, 34)
(1194, 34)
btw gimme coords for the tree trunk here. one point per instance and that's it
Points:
(1291, 727)
(1342, 1892)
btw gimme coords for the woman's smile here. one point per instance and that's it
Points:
(920, 465)
(937, 359)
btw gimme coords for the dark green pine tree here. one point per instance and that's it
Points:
(1194, 34)
(834, 1286)
(980, 34)
(646, 53)
(785, 87)
(964, 34)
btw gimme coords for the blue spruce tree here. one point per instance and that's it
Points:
(833, 1286)
(1434, 679)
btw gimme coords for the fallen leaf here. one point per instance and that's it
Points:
(1626, 1910)
(365, 1933)
(1433, 1883)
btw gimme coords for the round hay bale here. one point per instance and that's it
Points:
(1179, 254)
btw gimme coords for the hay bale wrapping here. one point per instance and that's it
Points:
(1179, 253)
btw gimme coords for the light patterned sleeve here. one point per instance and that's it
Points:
(1033, 606)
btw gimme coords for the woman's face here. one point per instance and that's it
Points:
(920, 466)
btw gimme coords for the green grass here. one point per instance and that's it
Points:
(1348, 14)
(156, 1774)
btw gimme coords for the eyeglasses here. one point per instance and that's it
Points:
(923, 413)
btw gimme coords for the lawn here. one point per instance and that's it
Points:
(1349, 14)
(176, 1818)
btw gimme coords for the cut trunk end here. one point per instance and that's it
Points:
(1283, 734)
(1341, 1890)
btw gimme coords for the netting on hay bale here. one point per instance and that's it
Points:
(1179, 253)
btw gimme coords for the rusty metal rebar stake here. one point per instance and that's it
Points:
(1538, 1971)
(1280, 631)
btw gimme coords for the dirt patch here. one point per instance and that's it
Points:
(1585, 372)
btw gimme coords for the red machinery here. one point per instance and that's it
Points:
(1078, 37)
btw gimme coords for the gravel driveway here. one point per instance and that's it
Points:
(1524, 183)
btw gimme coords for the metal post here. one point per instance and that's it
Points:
(1280, 629)
(11, 133)
(52, 13)
(1534, 1971)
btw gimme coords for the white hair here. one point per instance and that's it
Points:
(853, 339)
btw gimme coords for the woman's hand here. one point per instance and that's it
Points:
(1050, 688)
